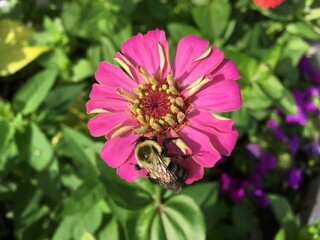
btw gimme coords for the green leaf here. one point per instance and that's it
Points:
(213, 18)
(303, 29)
(15, 50)
(79, 148)
(87, 195)
(284, 215)
(34, 147)
(81, 70)
(110, 229)
(179, 30)
(7, 132)
(77, 225)
(131, 196)
(205, 195)
(177, 218)
(34, 91)
(276, 92)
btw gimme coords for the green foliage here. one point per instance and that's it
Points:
(54, 184)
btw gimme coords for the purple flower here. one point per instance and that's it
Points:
(266, 160)
(304, 102)
(307, 69)
(278, 132)
(294, 177)
(313, 147)
(294, 143)
(257, 190)
(234, 187)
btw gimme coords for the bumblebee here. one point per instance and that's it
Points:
(158, 162)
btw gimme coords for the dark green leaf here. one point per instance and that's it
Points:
(284, 215)
(34, 91)
(179, 30)
(34, 147)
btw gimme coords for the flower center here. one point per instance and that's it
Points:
(158, 106)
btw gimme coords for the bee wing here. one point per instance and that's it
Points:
(168, 179)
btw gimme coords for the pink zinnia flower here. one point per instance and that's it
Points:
(266, 4)
(153, 98)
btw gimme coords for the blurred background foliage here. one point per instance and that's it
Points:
(54, 184)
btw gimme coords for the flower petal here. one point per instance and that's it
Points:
(195, 170)
(189, 48)
(201, 117)
(204, 153)
(227, 70)
(102, 123)
(101, 91)
(142, 50)
(127, 170)
(113, 77)
(110, 105)
(117, 151)
(220, 96)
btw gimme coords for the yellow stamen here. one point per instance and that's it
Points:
(180, 116)
(173, 90)
(126, 94)
(154, 87)
(139, 111)
(156, 127)
(170, 79)
(141, 119)
(164, 87)
(141, 130)
(144, 74)
(152, 80)
(170, 120)
(180, 101)
(174, 109)
(133, 108)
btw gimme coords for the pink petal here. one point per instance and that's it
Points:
(189, 48)
(117, 151)
(220, 96)
(226, 70)
(142, 50)
(113, 77)
(126, 123)
(195, 171)
(202, 67)
(223, 142)
(101, 91)
(127, 170)
(204, 153)
(102, 123)
(110, 105)
(133, 70)
(203, 118)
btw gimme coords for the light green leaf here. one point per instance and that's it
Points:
(276, 92)
(213, 19)
(177, 218)
(81, 70)
(303, 29)
(7, 131)
(15, 50)
(110, 229)
(34, 147)
(34, 91)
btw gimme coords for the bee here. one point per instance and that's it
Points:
(156, 159)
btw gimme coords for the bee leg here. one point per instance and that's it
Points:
(153, 180)
(183, 157)
(154, 138)
(165, 143)
(137, 167)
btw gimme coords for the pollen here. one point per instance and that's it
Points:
(158, 104)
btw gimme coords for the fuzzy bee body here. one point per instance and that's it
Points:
(159, 165)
